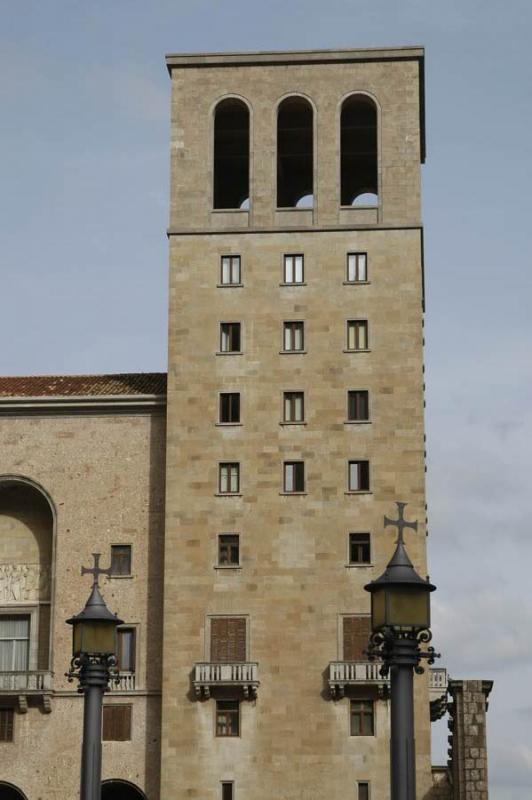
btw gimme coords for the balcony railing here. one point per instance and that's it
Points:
(343, 674)
(210, 675)
(437, 680)
(26, 681)
(123, 682)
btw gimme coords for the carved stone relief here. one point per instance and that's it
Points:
(20, 583)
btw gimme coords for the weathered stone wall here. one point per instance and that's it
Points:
(469, 762)
(105, 478)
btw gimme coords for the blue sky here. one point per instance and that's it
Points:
(84, 136)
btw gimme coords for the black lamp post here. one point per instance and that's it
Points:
(400, 622)
(93, 656)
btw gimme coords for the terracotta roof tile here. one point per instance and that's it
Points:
(84, 385)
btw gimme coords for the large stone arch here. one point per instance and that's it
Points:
(115, 789)
(10, 792)
(27, 519)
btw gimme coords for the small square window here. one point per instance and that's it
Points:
(359, 476)
(294, 407)
(126, 655)
(120, 559)
(363, 790)
(357, 334)
(228, 790)
(230, 270)
(359, 548)
(15, 642)
(293, 336)
(358, 405)
(362, 717)
(116, 723)
(228, 550)
(230, 407)
(227, 718)
(229, 478)
(293, 269)
(230, 339)
(7, 717)
(357, 267)
(294, 476)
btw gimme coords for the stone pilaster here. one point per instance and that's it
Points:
(468, 754)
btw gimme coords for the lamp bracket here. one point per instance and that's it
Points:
(401, 648)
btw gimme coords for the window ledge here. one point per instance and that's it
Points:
(292, 352)
(357, 422)
(228, 494)
(365, 565)
(357, 351)
(229, 353)
(227, 566)
(121, 577)
(228, 424)
(229, 285)
(303, 283)
(302, 422)
(356, 283)
(291, 494)
(359, 491)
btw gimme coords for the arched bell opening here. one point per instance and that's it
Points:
(295, 153)
(359, 156)
(231, 154)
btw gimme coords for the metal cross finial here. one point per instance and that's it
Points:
(400, 523)
(95, 571)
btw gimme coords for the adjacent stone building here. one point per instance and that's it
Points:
(240, 502)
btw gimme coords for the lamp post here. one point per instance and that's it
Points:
(400, 622)
(93, 656)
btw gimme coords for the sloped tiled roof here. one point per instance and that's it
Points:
(132, 383)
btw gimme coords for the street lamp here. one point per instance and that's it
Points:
(93, 655)
(400, 622)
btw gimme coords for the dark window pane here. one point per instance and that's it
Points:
(126, 639)
(6, 724)
(230, 407)
(358, 405)
(227, 718)
(230, 337)
(231, 154)
(359, 548)
(362, 718)
(227, 791)
(121, 559)
(363, 791)
(359, 476)
(228, 549)
(295, 154)
(358, 142)
(294, 476)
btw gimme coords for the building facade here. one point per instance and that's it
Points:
(241, 502)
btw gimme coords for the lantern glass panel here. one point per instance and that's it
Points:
(94, 637)
(408, 608)
(378, 609)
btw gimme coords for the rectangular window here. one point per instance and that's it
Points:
(362, 717)
(230, 337)
(293, 269)
(363, 790)
(121, 559)
(230, 270)
(294, 476)
(357, 334)
(356, 633)
(228, 550)
(126, 641)
(293, 336)
(7, 717)
(359, 548)
(116, 723)
(294, 407)
(229, 481)
(359, 476)
(14, 642)
(228, 640)
(230, 407)
(227, 790)
(227, 718)
(357, 267)
(358, 405)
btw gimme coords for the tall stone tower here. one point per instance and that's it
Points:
(295, 416)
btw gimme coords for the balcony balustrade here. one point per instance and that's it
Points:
(344, 674)
(122, 682)
(212, 675)
(26, 684)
